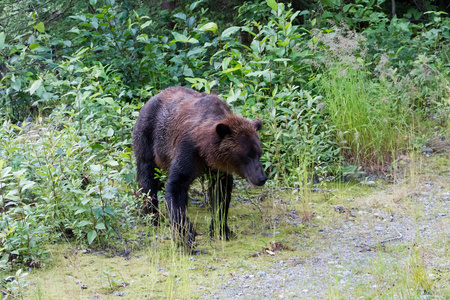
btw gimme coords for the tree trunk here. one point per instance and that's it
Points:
(393, 8)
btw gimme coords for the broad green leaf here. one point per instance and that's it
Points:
(97, 147)
(192, 41)
(188, 72)
(94, 23)
(32, 46)
(273, 5)
(194, 51)
(284, 43)
(17, 84)
(80, 211)
(93, 2)
(5, 172)
(96, 168)
(211, 26)
(83, 223)
(194, 5)
(110, 132)
(35, 86)
(112, 163)
(225, 62)
(100, 226)
(28, 185)
(229, 31)
(2, 40)
(146, 24)
(179, 37)
(40, 27)
(91, 236)
(346, 7)
(238, 67)
(179, 16)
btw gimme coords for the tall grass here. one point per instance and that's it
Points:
(370, 125)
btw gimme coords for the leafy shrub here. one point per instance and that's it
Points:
(296, 138)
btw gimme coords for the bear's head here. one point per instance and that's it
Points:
(240, 148)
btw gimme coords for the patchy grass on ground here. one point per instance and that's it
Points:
(342, 241)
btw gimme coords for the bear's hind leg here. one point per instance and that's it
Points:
(219, 193)
(149, 187)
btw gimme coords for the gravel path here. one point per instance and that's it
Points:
(342, 250)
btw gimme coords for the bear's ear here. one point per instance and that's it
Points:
(258, 124)
(223, 130)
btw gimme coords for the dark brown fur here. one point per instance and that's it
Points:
(187, 133)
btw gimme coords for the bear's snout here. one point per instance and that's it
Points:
(262, 180)
(255, 173)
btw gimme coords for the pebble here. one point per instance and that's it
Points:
(379, 229)
(261, 274)
(369, 183)
(428, 151)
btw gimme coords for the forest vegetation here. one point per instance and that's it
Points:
(344, 89)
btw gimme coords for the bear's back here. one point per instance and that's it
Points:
(181, 103)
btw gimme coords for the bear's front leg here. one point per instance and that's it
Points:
(219, 194)
(181, 175)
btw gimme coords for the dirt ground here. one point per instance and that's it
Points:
(376, 239)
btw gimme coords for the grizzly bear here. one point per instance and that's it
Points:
(188, 133)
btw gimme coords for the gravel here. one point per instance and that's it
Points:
(340, 250)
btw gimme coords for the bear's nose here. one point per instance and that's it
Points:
(262, 180)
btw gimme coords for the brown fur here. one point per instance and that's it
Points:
(187, 133)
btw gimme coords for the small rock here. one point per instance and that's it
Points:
(368, 183)
(262, 274)
(379, 229)
(117, 293)
(339, 209)
(428, 151)
(83, 287)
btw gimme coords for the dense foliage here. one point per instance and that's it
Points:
(337, 87)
